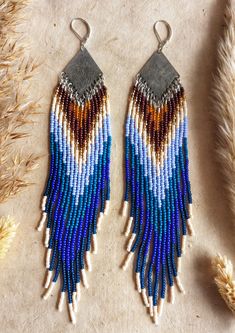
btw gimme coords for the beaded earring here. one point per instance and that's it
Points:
(77, 192)
(157, 179)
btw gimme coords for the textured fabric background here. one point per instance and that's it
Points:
(122, 40)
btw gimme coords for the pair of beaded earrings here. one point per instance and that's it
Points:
(77, 193)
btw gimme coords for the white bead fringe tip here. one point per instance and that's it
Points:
(100, 219)
(61, 301)
(183, 243)
(48, 258)
(94, 244)
(130, 243)
(42, 221)
(155, 315)
(190, 227)
(125, 208)
(127, 261)
(145, 298)
(106, 210)
(138, 285)
(75, 302)
(48, 280)
(128, 226)
(72, 314)
(160, 306)
(151, 306)
(190, 210)
(88, 261)
(179, 285)
(44, 201)
(84, 278)
(47, 237)
(49, 291)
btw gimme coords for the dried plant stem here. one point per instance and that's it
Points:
(16, 108)
(224, 116)
(224, 102)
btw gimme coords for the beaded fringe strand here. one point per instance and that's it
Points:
(77, 193)
(158, 190)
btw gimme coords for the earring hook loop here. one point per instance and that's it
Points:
(162, 42)
(83, 39)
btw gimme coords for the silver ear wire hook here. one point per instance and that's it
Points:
(84, 39)
(162, 42)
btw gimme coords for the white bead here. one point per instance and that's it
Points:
(173, 130)
(183, 244)
(44, 201)
(185, 107)
(47, 237)
(125, 208)
(155, 316)
(99, 221)
(179, 285)
(48, 258)
(61, 301)
(84, 278)
(145, 298)
(138, 285)
(88, 261)
(108, 105)
(106, 210)
(48, 280)
(128, 227)
(42, 221)
(190, 210)
(190, 228)
(129, 246)
(72, 314)
(130, 107)
(151, 306)
(75, 304)
(49, 290)
(160, 306)
(127, 261)
(94, 244)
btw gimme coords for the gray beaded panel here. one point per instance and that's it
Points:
(158, 73)
(82, 71)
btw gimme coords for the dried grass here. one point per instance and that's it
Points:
(16, 107)
(224, 280)
(7, 233)
(224, 102)
(224, 116)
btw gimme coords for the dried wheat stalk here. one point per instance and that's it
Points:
(16, 107)
(224, 115)
(224, 280)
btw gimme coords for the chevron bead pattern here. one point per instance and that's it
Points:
(77, 193)
(158, 192)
